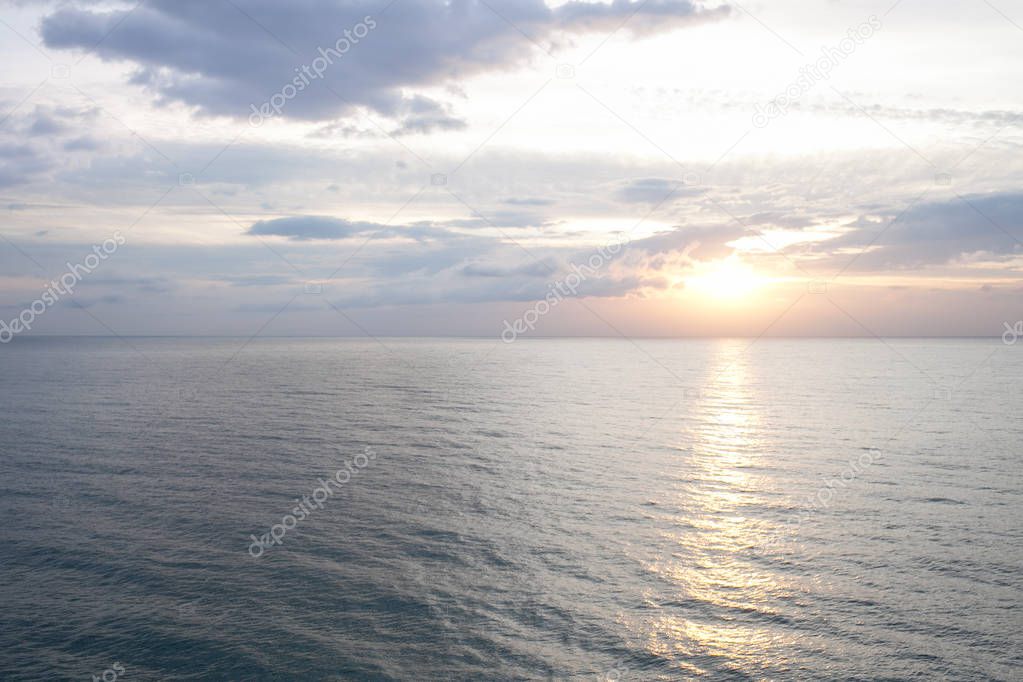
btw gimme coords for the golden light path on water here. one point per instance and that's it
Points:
(724, 600)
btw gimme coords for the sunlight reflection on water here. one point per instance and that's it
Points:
(713, 566)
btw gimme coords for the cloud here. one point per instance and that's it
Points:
(278, 308)
(259, 280)
(20, 163)
(431, 288)
(45, 125)
(640, 17)
(423, 115)
(701, 242)
(32, 143)
(529, 201)
(502, 218)
(654, 191)
(544, 268)
(307, 228)
(150, 285)
(82, 302)
(778, 219)
(222, 57)
(16, 151)
(301, 228)
(993, 117)
(937, 233)
(82, 144)
(318, 227)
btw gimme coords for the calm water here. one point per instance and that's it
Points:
(576, 509)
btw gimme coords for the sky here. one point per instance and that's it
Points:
(511, 168)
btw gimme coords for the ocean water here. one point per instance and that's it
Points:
(547, 509)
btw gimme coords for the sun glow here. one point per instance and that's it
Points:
(727, 279)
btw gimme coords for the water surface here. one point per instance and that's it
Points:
(567, 509)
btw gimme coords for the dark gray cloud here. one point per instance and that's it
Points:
(46, 125)
(301, 228)
(644, 17)
(222, 57)
(422, 115)
(936, 233)
(427, 123)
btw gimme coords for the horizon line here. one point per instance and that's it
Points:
(497, 337)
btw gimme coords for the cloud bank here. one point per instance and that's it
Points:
(222, 57)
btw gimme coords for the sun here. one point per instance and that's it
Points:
(728, 279)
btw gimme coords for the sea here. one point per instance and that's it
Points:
(547, 509)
